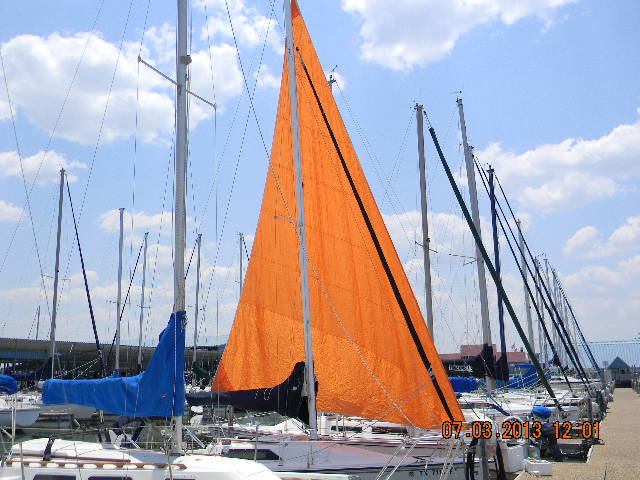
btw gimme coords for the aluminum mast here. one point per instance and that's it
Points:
(119, 300)
(425, 222)
(195, 316)
(144, 279)
(302, 234)
(475, 215)
(56, 275)
(527, 305)
(180, 228)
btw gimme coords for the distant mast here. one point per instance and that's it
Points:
(197, 309)
(475, 215)
(119, 300)
(502, 368)
(56, 274)
(527, 305)
(144, 279)
(425, 221)
(302, 235)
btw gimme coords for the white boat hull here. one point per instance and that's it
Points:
(25, 417)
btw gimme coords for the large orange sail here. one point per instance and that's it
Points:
(374, 356)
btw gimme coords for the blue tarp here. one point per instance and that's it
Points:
(8, 384)
(529, 377)
(464, 384)
(157, 392)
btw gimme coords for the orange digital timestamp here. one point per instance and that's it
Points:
(521, 430)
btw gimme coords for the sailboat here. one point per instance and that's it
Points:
(325, 296)
(158, 391)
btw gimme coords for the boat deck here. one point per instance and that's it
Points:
(618, 457)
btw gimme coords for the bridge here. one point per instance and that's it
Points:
(80, 359)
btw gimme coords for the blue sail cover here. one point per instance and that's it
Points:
(157, 392)
(529, 377)
(8, 384)
(464, 384)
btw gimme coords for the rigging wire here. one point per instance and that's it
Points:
(250, 94)
(99, 138)
(522, 271)
(170, 163)
(51, 135)
(135, 136)
(104, 113)
(24, 183)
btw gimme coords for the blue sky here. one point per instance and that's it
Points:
(551, 92)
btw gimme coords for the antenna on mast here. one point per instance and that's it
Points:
(332, 79)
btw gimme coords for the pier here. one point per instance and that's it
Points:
(618, 457)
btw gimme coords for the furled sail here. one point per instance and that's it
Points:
(374, 356)
(157, 392)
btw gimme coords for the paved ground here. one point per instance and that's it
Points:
(619, 457)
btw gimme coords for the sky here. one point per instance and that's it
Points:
(551, 92)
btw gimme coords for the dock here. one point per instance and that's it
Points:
(618, 457)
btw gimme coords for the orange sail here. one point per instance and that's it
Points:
(374, 356)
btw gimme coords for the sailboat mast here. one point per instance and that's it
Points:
(195, 316)
(548, 282)
(527, 305)
(56, 275)
(180, 228)
(502, 370)
(38, 323)
(541, 338)
(304, 269)
(119, 300)
(144, 279)
(425, 222)
(475, 216)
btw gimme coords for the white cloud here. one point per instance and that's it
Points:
(161, 42)
(249, 24)
(46, 165)
(340, 81)
(225, 75)
(110, 221)
(449, 233)
(407, 33)
(587, 242)
(5, 112)
(9, 212)
(605, 299)
(570, 174)
(265, 78)
(32, 59)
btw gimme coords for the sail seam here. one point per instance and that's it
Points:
(376, 242)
